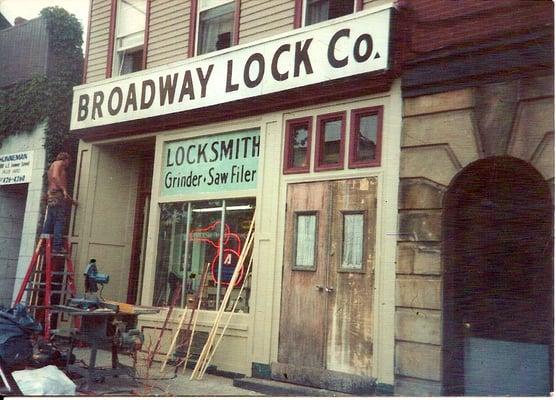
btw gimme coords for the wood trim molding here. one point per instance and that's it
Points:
(237, 16)
(192, 29)
(147, 34)
(111, 39)
(298, 12)
(88, 43)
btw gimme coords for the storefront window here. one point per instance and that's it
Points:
(202, 235)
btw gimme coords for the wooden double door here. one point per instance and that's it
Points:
(328, 278)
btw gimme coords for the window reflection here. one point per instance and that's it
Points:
(202, 235)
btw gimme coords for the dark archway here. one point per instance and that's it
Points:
(498, 280)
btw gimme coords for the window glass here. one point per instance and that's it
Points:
(216, 24)
(205, 222)
(306, 233)
(331, 136)
(323, 10)
(129, 40)
(366, 131)
(352, 255)
(299, 141)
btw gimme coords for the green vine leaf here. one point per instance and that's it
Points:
(48, 98)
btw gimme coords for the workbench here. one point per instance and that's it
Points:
(94, 325)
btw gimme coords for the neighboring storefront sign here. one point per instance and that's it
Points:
(16, 168)
(210, 164)
(340, 48)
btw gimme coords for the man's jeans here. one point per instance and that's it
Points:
(54, 224)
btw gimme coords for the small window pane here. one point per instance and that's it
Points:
(366, 137)
(130, 61)
(323, 10)
(306, 231)
(215, 28)
(299, 141)
(352, 257)
(131, 17)
(331, 136)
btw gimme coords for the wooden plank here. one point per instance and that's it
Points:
(301, 339)
(350, 314)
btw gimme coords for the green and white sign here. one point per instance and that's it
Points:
(211, 163)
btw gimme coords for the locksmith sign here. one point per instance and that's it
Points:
(16, 168)
(210, 163)
(343, 47)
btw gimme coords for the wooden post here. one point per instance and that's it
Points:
(206, 349)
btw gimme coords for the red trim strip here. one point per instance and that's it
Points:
(288, 168)
(111, 37)
(355, 118)
(358, 5)
(192, 29)
(236, 23)
(298, 12)
(147, 33)
(88, 43)
(321, 120)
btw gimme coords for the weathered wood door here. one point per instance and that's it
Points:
(327, 297)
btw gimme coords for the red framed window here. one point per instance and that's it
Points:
(214, 25)
(297, 153)
(365, 137)
(330, 141)
(309, 12)
(126, 49)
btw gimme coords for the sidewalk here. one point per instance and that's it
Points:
(155, 383)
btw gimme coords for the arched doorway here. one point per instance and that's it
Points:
(498, 281)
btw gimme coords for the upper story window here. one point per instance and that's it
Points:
(216, 24)
(310, 12)
(129, 36)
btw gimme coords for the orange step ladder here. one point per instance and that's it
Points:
(49, 281)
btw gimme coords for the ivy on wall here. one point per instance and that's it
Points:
(48, 98)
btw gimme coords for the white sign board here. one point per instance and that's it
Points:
(16, 167)
(340, 48)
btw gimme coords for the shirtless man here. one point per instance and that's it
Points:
(57, 198)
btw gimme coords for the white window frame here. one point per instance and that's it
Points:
(210, 4)
(304, 12)
(134, 46)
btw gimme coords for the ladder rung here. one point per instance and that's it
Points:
(40, 285)
(37, 290)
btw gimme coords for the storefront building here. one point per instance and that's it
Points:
(196, 117)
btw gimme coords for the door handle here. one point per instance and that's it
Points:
(329, 289)
(319, 287)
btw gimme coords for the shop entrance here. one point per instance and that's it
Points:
(327, 290)
(498, 260)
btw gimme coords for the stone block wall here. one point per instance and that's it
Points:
(441, 135)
